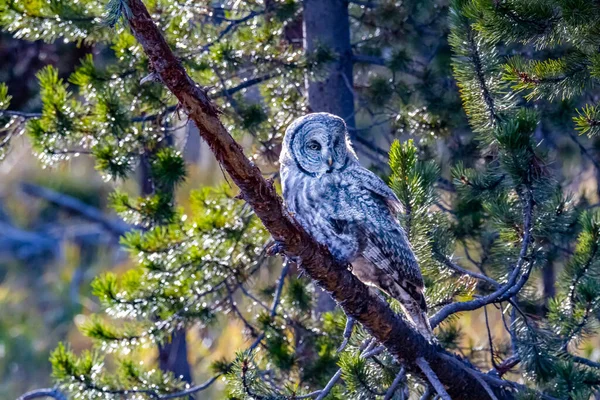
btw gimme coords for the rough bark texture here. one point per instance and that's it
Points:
(326, 23)
(352, 295)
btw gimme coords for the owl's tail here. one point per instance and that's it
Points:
(421, 322)
(415, 308)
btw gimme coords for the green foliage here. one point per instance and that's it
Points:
(587, 120)
(413, 182)
(477, 71)
(115, 10)
(550, 79)
(52, 20)
(87, 375)
(8, 128)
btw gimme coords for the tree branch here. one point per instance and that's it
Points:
(452, 265)
(504, 292)
(34, 394)
(77, 206)
(353, 296)
(394, 386)
(433, 379)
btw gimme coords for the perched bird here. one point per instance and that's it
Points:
(350, 210)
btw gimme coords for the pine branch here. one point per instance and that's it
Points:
(394, 386)
(354, 297)
(452, 265)
(367, 352)
(231, 27)
(74, 205)
(492, 381)
(433, 379)
(504, 292)
(144, 118)
(39, 393)
(192, 390)
(323, 393)
(585, 361)
(481, 79)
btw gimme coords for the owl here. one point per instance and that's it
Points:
(350, 210)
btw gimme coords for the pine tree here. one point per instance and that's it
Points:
(508, 202)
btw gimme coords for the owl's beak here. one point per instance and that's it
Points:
(330, 161)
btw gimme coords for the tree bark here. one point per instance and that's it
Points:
(326, 23)
(353, 296)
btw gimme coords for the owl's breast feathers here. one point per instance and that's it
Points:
(353, 213)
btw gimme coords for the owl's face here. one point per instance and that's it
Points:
(318, 143)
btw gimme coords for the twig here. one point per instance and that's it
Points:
(367, 352)
(191, 390)
(34, 394)
(505, 291)
(20, 114)
(483, 383)
(489, 333)
(452, 265)
(427, 394)
(585, 361)
(397, 380)
(77, 206)
(583, 150)
(276, 299)
(284, 271)
(347, 333)
(330, 385)
(505, 365)
(433, 379)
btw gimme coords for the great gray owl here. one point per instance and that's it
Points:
(350, 210)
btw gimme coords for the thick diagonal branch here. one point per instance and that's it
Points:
(352, 295)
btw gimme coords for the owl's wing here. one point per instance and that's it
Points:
(390, 251)
(371, 182)
(384, 240)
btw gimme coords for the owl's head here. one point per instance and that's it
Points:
(318, 143)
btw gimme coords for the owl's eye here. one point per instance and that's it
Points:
(314, 145)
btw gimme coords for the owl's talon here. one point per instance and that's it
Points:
(275, 248)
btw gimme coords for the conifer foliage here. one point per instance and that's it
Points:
(508, 205)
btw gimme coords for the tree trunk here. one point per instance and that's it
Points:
(326, 23)
(172, 356)
(549, 279)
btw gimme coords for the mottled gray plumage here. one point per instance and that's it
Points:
(350, 210)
